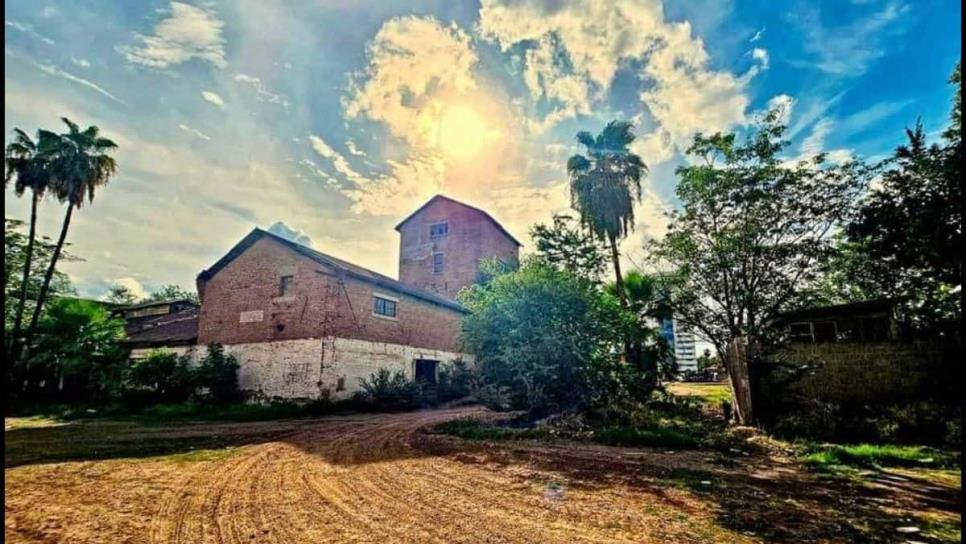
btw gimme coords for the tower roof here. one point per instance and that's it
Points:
(485, 214)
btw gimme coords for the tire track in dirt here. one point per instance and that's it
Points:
(362, 479)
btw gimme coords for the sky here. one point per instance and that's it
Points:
(329, 122)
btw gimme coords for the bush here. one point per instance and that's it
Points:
(457, 380)
(388, 390)
(217, 375)
(163, 373)
(542, 335)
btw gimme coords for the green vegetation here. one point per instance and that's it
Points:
(711, 394)
(828, 457)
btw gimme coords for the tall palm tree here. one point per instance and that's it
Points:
(604, 186)
(27, 165)
(80, 164)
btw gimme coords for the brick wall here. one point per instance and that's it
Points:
(242, 305)
(864, 372)
(471, 237)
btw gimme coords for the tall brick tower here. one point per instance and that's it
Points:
(441, 245)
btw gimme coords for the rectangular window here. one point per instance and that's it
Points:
(284, 284)
(384, 307)
(437, 263)
(801, 332)
(438, 230)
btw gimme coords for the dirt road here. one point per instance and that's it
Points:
(380, 479)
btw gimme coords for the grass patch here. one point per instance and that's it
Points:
(474, 429)
(645, 437)
(829, 457)
(202, 455)
(705, 393)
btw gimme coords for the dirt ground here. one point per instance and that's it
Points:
(385, 479)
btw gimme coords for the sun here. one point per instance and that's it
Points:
(462, 132)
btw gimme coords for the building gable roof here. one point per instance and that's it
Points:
(485, 214)
(340, 265)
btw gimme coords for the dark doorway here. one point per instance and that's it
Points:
(425, 370)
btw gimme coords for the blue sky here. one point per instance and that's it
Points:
(336, 121)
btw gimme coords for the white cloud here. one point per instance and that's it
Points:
(189, 32)
(758, 35)
(261, 91)
(50, 69)
(351, 146)
(339, 162)
(412, 61)
(28, 29)
(213, 98)
(132, 285)
(83, 63)
(784, 104)
(194, 131)
(848, 50)
(814, 143)
(289, 233)
(49, 11)
(596, 39)
(760, 55)
(654, 147)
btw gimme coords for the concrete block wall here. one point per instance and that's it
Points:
(315, 368)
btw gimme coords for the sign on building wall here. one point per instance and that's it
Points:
(251, 316)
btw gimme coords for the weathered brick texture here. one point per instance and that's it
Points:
(471, 236)
(242, 304)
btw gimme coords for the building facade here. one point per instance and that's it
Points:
(681, 340)
(442, 243)
(307, 325)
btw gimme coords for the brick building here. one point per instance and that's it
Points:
(442, 243)
(307, 325)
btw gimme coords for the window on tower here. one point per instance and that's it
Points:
(438, 230)
(437, 263)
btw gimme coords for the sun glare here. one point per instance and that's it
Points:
(462, 132)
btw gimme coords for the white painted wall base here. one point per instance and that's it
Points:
(315, 368)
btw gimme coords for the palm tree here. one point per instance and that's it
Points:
(645, 346)
(80, 164)
(605, 185)
(27, 165)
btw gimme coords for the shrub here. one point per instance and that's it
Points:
(217, 374)
(388, 390)
(457, 380)
(538, 333)
(163, 373)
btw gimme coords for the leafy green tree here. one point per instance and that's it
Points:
(217, 373)
(750, 233)
(566, 244)
(79, 354)
(121, 294)
(166, 373)
(28, 167)
(646, 349)
(14, 254)
(909, 231)
(604, 186)
(171, 292)
(79, 163)
(544, 336)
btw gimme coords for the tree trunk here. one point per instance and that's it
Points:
(618, 277)
(47, 277)
(28, 257)
(736, 362)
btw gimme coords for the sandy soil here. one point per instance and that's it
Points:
(383, 479)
